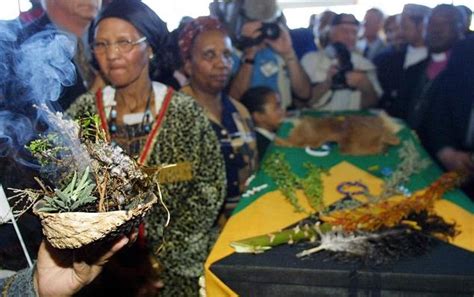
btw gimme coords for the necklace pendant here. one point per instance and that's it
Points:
(147, 128)
(113, 113)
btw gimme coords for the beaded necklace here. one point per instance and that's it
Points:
(146, 120)
(129, 136)
(149, 139)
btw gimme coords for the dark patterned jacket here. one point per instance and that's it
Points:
(70, 92)
(185, 135)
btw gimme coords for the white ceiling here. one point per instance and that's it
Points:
(312, 3)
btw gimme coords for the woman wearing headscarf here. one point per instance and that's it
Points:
(206, 50)
(158, 126)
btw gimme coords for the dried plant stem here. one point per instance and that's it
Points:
(102, 189)
(278, 168)
(411, 163)
(261, 243)
(22, 195)
(28, 195)
(368, 217)
(40, 183)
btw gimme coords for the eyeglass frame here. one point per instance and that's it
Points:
(117, 45)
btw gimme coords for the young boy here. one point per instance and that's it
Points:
(264, 105)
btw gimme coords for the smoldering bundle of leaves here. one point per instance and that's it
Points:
(81, 171)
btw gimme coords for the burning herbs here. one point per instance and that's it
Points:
(89, 188)
(109, 178)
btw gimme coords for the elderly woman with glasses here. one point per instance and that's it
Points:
(158, 126)
(206, 50)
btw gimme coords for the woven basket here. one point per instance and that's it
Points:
(70, 230)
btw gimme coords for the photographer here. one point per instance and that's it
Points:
(343, 79)
(266, 55)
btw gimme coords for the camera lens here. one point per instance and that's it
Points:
(270, 30)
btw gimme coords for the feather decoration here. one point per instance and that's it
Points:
(412, 237)
(374, 233)
(338, 241)
(372, 249)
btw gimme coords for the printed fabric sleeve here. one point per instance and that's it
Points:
(187, 135)
(19, 284)
(83, 105)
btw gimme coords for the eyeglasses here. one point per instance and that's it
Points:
(123, 46)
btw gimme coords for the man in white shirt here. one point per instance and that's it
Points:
(342, 78)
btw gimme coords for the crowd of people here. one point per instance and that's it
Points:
(213, 93)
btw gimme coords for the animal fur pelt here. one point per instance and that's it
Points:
(356, 135)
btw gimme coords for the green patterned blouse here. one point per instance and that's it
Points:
(185, 135)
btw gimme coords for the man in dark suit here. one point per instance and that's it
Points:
(74, 17)
(372, 43)
(450, 135)
(16, 98)
(450, 122)
(392, 62)
(444, 29)
(417, 82)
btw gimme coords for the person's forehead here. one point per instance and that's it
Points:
(373, 15)
(115, 21)
(443, 14)
(116, 25)
(406, 19)
(272, 96)
(204, 38)
(346, 27)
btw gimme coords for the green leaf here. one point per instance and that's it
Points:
(82, 202)
(73, 196)
(61, 203)
(84, 178)
(65, 197)
(71, 185)
(88, 190)
(48, 209)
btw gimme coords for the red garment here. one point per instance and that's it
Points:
(193, 29)
(435, 67)
(29, 16)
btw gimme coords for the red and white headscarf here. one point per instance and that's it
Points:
(193, 29)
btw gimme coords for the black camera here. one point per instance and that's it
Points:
(343, 55)
(267, 31)
(270, 31)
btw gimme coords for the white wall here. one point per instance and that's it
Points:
(171, 11)
(299, 17)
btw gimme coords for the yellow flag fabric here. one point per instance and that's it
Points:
(272, 212)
